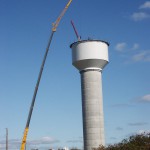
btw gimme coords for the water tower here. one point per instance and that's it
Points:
(90, 57)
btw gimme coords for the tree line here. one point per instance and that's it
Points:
(134, 142)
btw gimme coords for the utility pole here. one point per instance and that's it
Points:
(6, 138)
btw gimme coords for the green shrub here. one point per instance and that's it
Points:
(135, 142)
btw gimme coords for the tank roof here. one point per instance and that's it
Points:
(83, 41)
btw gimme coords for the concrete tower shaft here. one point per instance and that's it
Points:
(90, 57)
(92, 109)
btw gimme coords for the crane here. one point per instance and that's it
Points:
(54, 28)
(75, 30)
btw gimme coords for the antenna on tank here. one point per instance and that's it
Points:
(75, 30)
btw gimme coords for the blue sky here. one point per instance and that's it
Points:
(57, 119)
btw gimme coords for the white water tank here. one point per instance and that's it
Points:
(89, 54)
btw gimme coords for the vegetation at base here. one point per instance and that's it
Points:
(134, 142)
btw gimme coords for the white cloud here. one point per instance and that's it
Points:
(74, 141)
(138, 16)
(132, 55)
(143, 132)
(145, 5)
(142, 56)
(145, 98)
(43, 140)
(119, 128)
(113, 138)
(142, 99)
(135, 46)
(138, 124)
(14, 144)
(122, 105)
(121, 46)
(78, 140)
